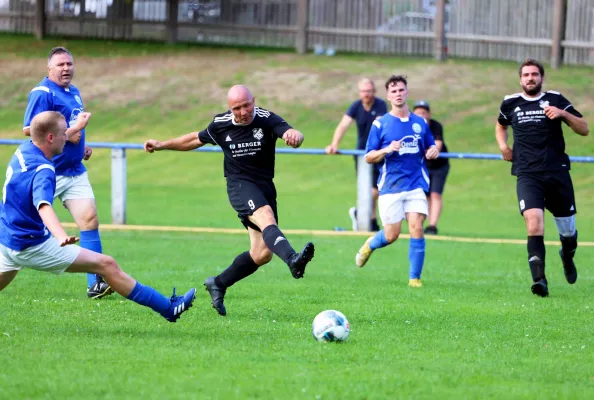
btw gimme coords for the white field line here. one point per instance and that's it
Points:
(309, 232)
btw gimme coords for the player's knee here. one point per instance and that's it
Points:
(89, 220)
(108, 266)
(261, 256)
(391, 235)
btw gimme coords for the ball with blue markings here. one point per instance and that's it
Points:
(331, 326)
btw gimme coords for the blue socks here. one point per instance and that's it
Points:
(416, 256)
(378, 241)
(147, 296)
(90, 240)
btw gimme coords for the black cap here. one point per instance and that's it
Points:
(422, 104)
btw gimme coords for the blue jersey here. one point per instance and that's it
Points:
(49, 96)
(30, 182)
(405, 170)
(365, 118)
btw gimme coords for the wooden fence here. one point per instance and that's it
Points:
(555, 31)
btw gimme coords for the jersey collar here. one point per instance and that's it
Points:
(532, 98)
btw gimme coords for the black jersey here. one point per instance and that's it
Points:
(249, 149)
(538, 141)
(437, 131)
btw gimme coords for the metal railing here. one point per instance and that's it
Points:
(364, 173)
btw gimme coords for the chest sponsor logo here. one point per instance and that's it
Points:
(543, 103)
(409, 144)
(74, 116)
(258, 134)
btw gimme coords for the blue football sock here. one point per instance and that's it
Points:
(90, 240)
(147, 296)
(416, 256)
(378, 241)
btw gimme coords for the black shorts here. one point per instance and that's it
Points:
(437, 178)
(376, 172)
(246, 196)
(550, 190)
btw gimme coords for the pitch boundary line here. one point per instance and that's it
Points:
(154, 228)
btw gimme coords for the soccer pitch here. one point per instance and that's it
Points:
(473, 331)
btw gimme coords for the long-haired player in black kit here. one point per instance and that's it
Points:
(247, 135)
(542, 167)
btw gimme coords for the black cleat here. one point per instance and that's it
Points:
(568, 268)
(217, 295)
(540, 288)
(99, 289)
(430, 230)
(299, 261)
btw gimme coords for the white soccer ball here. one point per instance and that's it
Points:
(331, 326)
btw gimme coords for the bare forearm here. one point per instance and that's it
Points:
(338, 134)
(577, 124)
(51, 221)
(186, 142)
(439, 144)
(375, 156)
(501, 136)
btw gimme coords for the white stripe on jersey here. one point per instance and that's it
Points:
(224, 118)
(262, 113)
(213, 139)
(383, 179)
(21, 159)
(553, 92)
(45, 166)
(502, 114)
(512, 96)
(43, 202)
(425, 176)
(570, 105)
(42, 88)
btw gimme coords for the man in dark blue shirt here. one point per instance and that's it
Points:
(363, 111)
(56, 93)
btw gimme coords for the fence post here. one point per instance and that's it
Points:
(302, 24)
(40, 19)
(364, 200)
(172, 13)
(118, 186)
(559, 12)
(440, 47)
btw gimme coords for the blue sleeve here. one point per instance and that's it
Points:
(44, 187)
(352, 111)
(428, 140)
(374, 140)
(39, 101)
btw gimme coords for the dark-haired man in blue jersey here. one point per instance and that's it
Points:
(28, 221)
(402, 141)
(56, 93)
(363, 112)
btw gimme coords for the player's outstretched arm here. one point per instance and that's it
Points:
(501, 137)
(293, 138)
(185, 142)
(52, 223)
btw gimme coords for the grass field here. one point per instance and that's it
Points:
(473, 331)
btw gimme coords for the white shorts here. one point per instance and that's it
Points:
(47, 256)
(394, 206)
(74, 187)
